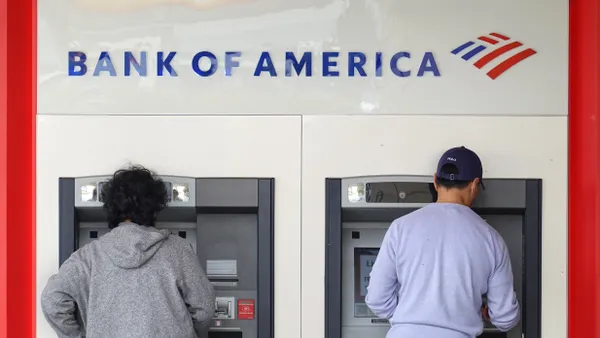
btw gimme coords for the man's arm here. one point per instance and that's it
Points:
(197, 291)
(503, 307)
(58, 298)
(382, 296)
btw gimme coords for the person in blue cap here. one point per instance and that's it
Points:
(437, 264)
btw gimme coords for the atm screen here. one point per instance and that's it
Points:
(364, 258)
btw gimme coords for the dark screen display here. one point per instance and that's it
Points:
(168, 185)
(400, 192)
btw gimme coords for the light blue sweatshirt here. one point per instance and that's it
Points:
(433, 267)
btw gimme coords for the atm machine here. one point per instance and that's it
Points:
(359, 211)
(228, 221)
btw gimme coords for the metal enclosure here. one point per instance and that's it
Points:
(230, 224)
(359, 211)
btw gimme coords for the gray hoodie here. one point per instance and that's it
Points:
(133, 282)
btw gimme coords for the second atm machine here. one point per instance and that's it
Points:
(359, 211)
(229, 222)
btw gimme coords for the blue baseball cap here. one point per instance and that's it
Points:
(466, 162)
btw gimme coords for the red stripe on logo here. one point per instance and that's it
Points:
(500, 36)
(507, 64)
(496, 53)
(488, 40)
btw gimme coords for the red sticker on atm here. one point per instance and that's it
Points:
(246, 309)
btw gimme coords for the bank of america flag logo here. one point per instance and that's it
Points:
(494, 47)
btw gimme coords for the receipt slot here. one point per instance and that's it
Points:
(228, 221)
(359, 211)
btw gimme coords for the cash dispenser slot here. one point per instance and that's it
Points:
(359, 211)
(229, 222)
(222, 273)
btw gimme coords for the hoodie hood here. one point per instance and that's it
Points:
(130, 245)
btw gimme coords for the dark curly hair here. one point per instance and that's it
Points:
(134, 194)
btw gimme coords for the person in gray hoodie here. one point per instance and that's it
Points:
(136, 281)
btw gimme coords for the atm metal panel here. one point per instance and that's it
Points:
(228, 221)
(511, 206)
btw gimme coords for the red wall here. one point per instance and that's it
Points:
(584, 169)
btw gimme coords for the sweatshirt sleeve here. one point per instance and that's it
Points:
(58, 298)
(503, 306)
(197, 291)
(382, 296)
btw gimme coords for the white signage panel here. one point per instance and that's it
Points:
(303, 57)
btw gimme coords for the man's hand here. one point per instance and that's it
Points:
(485, 313)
